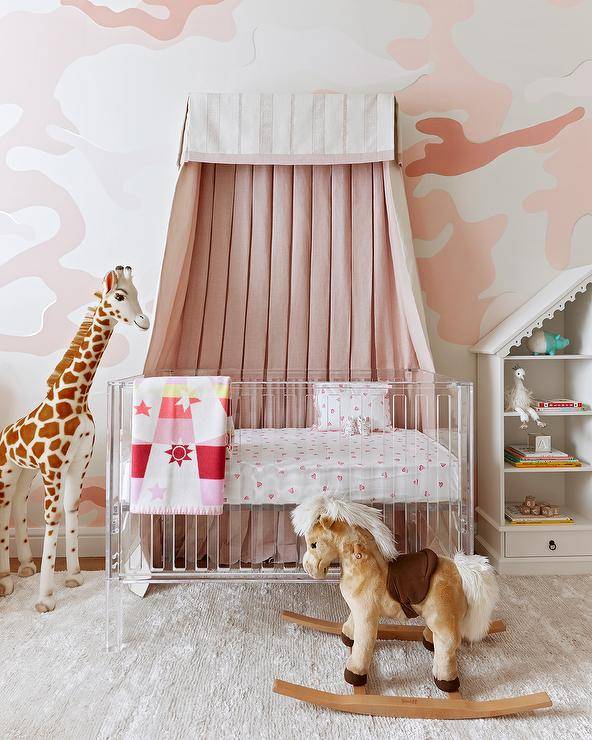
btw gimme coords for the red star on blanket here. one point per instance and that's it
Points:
(142, 408)
(178, 453)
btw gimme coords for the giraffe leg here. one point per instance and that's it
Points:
(53, 514)
(72, 492)
(23, 548)
(9, 476)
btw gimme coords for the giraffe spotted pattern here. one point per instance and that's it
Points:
(56, 441)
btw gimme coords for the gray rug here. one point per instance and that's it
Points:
(201, 660)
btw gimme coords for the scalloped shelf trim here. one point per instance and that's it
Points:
(559, 306)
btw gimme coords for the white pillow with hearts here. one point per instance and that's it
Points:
(335, 402)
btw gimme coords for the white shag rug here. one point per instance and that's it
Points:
(201, 660)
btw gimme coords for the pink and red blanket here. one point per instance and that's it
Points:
(179, 438)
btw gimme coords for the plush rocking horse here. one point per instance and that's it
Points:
(455, 598)
(56, 439)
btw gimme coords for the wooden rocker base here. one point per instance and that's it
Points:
(385, 631)
(413, 707)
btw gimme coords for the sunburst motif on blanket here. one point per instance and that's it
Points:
(178, 453)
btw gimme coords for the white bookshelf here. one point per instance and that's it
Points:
(564, 306)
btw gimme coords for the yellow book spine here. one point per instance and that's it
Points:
(547, 465)
(543, 523)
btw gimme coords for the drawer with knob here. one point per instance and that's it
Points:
(550, 543)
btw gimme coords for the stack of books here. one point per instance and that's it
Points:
(559, 405)
(523, 456)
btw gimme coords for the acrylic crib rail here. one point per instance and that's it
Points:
(417, 470)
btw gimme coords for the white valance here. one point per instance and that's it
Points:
(292, 128)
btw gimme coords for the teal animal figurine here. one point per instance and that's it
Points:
(544, 343)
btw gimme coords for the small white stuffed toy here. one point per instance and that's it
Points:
(356, 425)
(349, 426)
(520, 399)
(363, 424)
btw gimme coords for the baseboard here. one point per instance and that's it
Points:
(484, 548)
(545, 566)
(91, 542)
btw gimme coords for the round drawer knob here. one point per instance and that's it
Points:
(552, 545)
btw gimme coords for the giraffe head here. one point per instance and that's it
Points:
(119, 298)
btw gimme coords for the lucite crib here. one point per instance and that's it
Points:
(418, 470)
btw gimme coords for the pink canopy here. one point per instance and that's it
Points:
(289, 252)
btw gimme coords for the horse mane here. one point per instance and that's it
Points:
(308, 513)
(73, 350)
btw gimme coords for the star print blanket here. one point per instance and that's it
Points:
(179, 437)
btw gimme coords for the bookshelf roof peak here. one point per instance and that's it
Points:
(543, 305)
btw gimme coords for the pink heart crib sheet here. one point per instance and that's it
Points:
(179, 438)
(286, 466)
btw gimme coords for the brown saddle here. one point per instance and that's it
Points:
(409, 577)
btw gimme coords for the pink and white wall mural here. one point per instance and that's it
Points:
(496, 107)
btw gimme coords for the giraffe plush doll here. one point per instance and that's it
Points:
(56, 439)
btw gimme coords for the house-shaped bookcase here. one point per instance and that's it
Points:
(563, 306)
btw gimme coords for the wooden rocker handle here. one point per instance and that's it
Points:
(385, 631)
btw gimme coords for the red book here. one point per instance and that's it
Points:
(559, 404)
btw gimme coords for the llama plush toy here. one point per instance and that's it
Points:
(56, 439)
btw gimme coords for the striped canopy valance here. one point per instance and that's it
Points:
(292, 128)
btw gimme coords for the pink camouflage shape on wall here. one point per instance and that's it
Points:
(456, 277)
(455, 154)
(465, 258)
(453, 83)
(570, 163)
(164, 29)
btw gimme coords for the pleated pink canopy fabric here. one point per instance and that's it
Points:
(288, 256)
(289, 271)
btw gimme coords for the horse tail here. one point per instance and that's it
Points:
(481, 592)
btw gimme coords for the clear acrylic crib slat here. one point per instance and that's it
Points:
(432, 421)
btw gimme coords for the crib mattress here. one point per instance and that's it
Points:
(286, 466)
